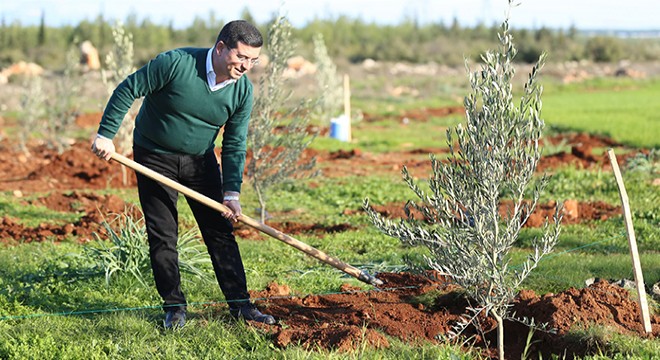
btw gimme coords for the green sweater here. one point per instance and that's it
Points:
(180, 114)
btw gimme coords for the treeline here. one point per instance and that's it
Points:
(346, 38)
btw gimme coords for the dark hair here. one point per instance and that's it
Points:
(240, 30)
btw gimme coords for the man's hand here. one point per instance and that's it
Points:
(231, 200)
(103, 147)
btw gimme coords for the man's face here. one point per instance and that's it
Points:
(234, 62)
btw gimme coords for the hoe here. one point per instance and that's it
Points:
(309, 250)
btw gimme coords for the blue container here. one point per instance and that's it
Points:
(340, 128)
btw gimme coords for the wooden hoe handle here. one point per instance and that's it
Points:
(309, 250)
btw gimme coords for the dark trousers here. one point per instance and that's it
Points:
(202, 174)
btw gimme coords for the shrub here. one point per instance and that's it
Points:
(61, 110)
(119, 64)
(494, 160)
(603, 49)
(32, 111)
(277, 140)
(128, 250)
(328, 82)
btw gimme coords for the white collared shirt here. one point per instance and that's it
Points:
(210, 74)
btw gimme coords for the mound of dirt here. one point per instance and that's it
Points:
(76, 168)
(352, 317)
(78, 201)
(575, 212)
(95, 209)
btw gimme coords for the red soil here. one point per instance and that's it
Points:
(347, 319)
(351, 317)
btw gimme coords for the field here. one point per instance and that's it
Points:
(57, 303)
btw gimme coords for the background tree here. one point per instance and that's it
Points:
(3, 32)
(41, 37)
(347, 38)
(118, 65)
(277, 139)
(328, 81)
(603, 49)
(32, 111)
(465, 230)
(61, 110)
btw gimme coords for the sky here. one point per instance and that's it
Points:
(532, 14)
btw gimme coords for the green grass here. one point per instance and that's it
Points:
(391, 134)
(572, 269)
(55, 303)
(43, 282)
(49, 298)
(31, 215)
(624, 110)
(610, 345)
(132, 336)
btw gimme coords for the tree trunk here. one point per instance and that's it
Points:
(124, 175)
(500, 335)
(262, 204)
(263, 213)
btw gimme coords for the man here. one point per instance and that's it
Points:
(189, 95)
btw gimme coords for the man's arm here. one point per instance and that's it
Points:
(234, 146)
(150, 78)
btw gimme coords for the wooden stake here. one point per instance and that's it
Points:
(637, 267)
(347, 103)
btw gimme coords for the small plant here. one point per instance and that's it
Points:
(118, 65)
(492, 162)
(32, 110)
(277, 140)
(528, 344)
(51, 117)
(62, 109)
(128, 250)
(645, 163)
(327, 81)
(562, 146)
